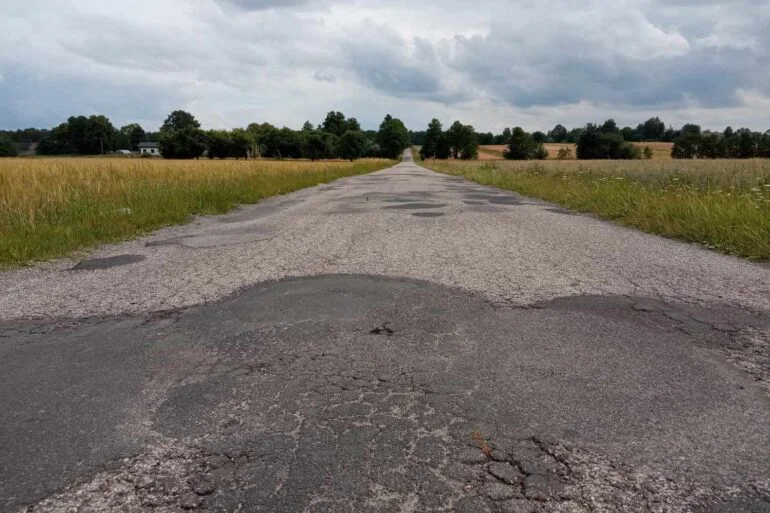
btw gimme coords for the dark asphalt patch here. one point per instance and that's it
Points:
(562, 211)
(95, 264)
(428, 214)
(505, 200)
(415, 206)
(258, 211)
(287, 396)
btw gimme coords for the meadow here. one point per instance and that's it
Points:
(722, 204)
(660, 150)
(51, 207)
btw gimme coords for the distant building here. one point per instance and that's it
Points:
(123, 152)
(27, 149)
(149, 148)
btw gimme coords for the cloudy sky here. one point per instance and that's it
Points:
(489, 63)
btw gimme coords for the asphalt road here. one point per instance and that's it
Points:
(402, 342)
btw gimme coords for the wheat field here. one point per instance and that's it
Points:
(53, 206)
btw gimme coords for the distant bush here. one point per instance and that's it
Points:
(523, 146)
(605, 143)
(564, 153)
(541, 153)
(647, 153)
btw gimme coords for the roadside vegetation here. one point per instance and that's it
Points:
(51, 207)
(724, 205)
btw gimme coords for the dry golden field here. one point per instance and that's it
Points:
(52, 206)
(660, 150)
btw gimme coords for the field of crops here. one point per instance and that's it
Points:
(660, 150)
(50, 207)
(723, 204)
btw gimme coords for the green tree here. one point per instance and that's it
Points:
(314, 145)
(308, 127)
(486, 139)
(186, 143)
(653, 129)
(7, 147)
(712, 146)
(353, 125)
(604, 143)
(522, 145)
(432, 138)
(393, 137)
(539, 137)
(218, 143)
(462, 139)
(610, 127)
(181, 137)
(242, 144)
(352, 145)
(179, 120)
(335, 123)
(687, 145)
(558, 134)
(130, 137)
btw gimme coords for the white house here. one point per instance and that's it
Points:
(149, 148)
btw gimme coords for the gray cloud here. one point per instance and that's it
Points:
(236, 61)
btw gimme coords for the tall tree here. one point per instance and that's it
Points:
(352, 145)
(653, 129)
(353, 125)
(558, 134)
(131, 135)
(432, 139)
(241, 143)
(524, 147)
(463, 141)
(218, 143)
(186, 143)
(393, 137)
(335, 123)
(179, 120)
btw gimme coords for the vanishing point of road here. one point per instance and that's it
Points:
(403, 341)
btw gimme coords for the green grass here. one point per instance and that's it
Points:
(52, 207)
(724, 205)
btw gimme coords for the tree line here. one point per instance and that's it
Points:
(729, 144)
(652, 130)
(181, 137)
(596, 141)
(459, 142)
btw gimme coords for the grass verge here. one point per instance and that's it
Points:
(724, 204)
(51, 207)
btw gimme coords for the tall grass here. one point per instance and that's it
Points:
(50, 207)
(723, 204)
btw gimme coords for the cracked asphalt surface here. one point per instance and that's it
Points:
(402, 341)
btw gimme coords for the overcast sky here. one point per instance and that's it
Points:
(489, 63)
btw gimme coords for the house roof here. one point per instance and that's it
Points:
(148, 145)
